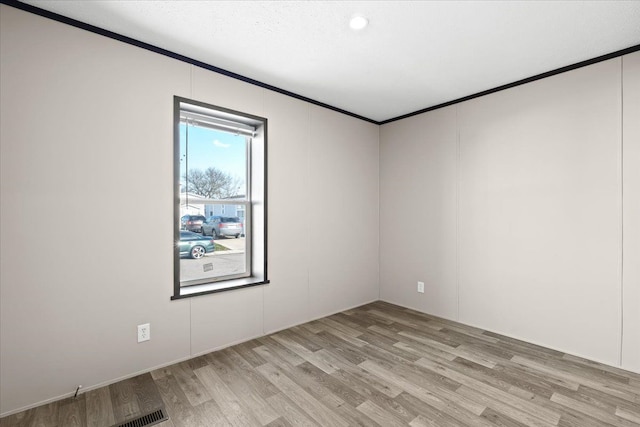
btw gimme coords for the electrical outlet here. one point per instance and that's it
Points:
(144, 332)
(421, 287)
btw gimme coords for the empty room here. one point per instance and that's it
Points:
(319, 213)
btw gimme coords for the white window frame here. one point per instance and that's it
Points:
(255, 202)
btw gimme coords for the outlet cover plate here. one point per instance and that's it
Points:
(144, 332)
(421, 287)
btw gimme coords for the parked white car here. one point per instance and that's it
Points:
(222, 226)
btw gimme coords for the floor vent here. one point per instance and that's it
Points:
(154, 417)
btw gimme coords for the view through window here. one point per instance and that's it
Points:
(214, 232)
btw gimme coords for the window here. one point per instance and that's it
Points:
(219, 167)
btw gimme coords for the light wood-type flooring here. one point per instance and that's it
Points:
(378, 364)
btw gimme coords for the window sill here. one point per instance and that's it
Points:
(210, 288)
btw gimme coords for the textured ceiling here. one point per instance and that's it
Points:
(413, 54)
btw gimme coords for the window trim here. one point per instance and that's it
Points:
(232, 283)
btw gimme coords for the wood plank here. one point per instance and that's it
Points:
(419, 350)
(233, 360)
(332, 384)
(245, 350)
(435, 396)
(584, 371)
(404, 320)
(314, 326)
(373, 381)
(280, 422)
(346, 330)
(244, 391)
(73, 412)
(349, 413)
(427, 412)
(503, 408)
(626, 376)
(297, 335)
(524, 348)
(304, 353)
(300, 397)
(628, 414)
(421, 421)
(389, 404)
(500, 419)
(526, 378)
(549, 416)
(352, 320)
(379, 415)
(233, 409)
(146, 393)
(290, 411)
(418, 375)
(343, 349)
(124, 402)
(591, 411)
(465, 354)
(99, 408)
(279, 351)
(190, 384)
(177, 405)
(307, 382)
(378, 342)
(618, 390)
(210, 414)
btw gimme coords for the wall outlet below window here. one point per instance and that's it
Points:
(144, 332)
(421, 287)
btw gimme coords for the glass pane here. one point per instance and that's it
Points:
(213, 169)
(213, 164)
(228, 258)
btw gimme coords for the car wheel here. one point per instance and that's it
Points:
(237, 235)
(214, 233)
(197, 252)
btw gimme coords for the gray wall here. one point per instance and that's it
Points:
(516, 212)
(631, 211)
(87, 121)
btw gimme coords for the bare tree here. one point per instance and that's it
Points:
(212, 183)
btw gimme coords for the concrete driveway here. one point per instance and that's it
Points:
(218, 263)
(234, 245)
